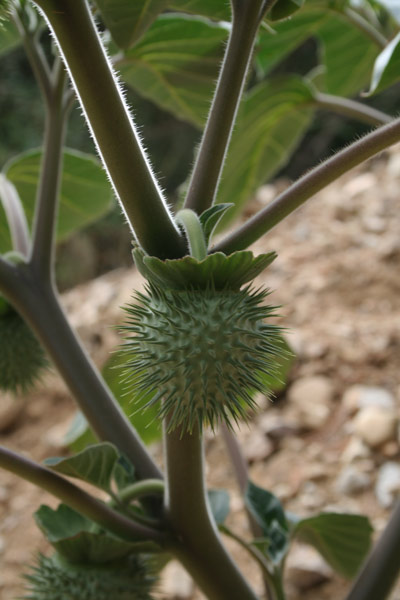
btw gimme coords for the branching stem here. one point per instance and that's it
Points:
(211, 155)
(308, 185)
(112, 127)
(76, 498)
(142, 488)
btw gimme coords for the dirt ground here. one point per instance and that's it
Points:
(337, 280)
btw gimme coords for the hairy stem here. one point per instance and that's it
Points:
(210, 159)
(308, 185)
(113, 128)
(43, 247)
(352, 108)
(382, 567)
(197, 542)
(75, 497)
(38, 304)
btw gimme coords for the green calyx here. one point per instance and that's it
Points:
(197, 344)
(22, 358)
(54, 578)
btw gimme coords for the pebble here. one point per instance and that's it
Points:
(276, 427)
(310, 398)
(257, 446)
(305, 568)
(176, 583)
(352, 481)
(312, 497)
(388, 484)
(376, 425)
(355, 450)
(361, 396)
(11, 408)
(56, 435)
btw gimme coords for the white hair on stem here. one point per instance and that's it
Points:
(136, 133)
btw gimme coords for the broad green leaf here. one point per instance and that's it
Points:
(176, 65)
(219, 504)
(387, 67)
(283, 9)
(348, 56)
(95, 465)
(78, 539)
(346, 53)
(210, 218)
(270, 516)
(9, 37)
(85, 194)
(219, 10)
(128, 20)
(342, 539)
(282, 364)
(270, 123)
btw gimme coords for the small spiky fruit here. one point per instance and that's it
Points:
(54, 578)
(200, 353)
(22, 358)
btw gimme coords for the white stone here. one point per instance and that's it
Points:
(359, 396)
(176, 583)
(305, 568)
(355, 450)
(352, 481)
(388, 484)
(376, 425)
(310, 398)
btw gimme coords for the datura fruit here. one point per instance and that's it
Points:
(55, 578)
(197, 342)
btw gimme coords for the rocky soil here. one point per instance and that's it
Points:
(330, 441)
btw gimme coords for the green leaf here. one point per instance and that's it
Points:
(387, 67)
(123, 473)
(270, 516)
(85, 194)
(346, 53)
(76, 538)
(176, 65)
(210, 218)
(216, 269)
(218, 10)
(270, 123)
(9, 37)
(128, 20)
(219, 504)
(94, 465)
(283, 9)
(283, 361)
(342, 539)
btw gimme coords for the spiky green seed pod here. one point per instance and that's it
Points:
(54, 578)
(200, 353)
(22, 358)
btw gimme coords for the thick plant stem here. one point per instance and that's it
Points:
(38, 304)
(382, 567)
(308, 185)
(352, 108)
(214, 145)
(75, 497)
(43, 247)
(113, 128)
(197, 542)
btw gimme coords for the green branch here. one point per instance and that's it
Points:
(214, 145)
(351, 108)
(76, 498)
(39, 306)
(308, 185)
(382, 567)
(197, 543)
(112, 127)
(365, 26)
(147, 487)
(44, 227)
